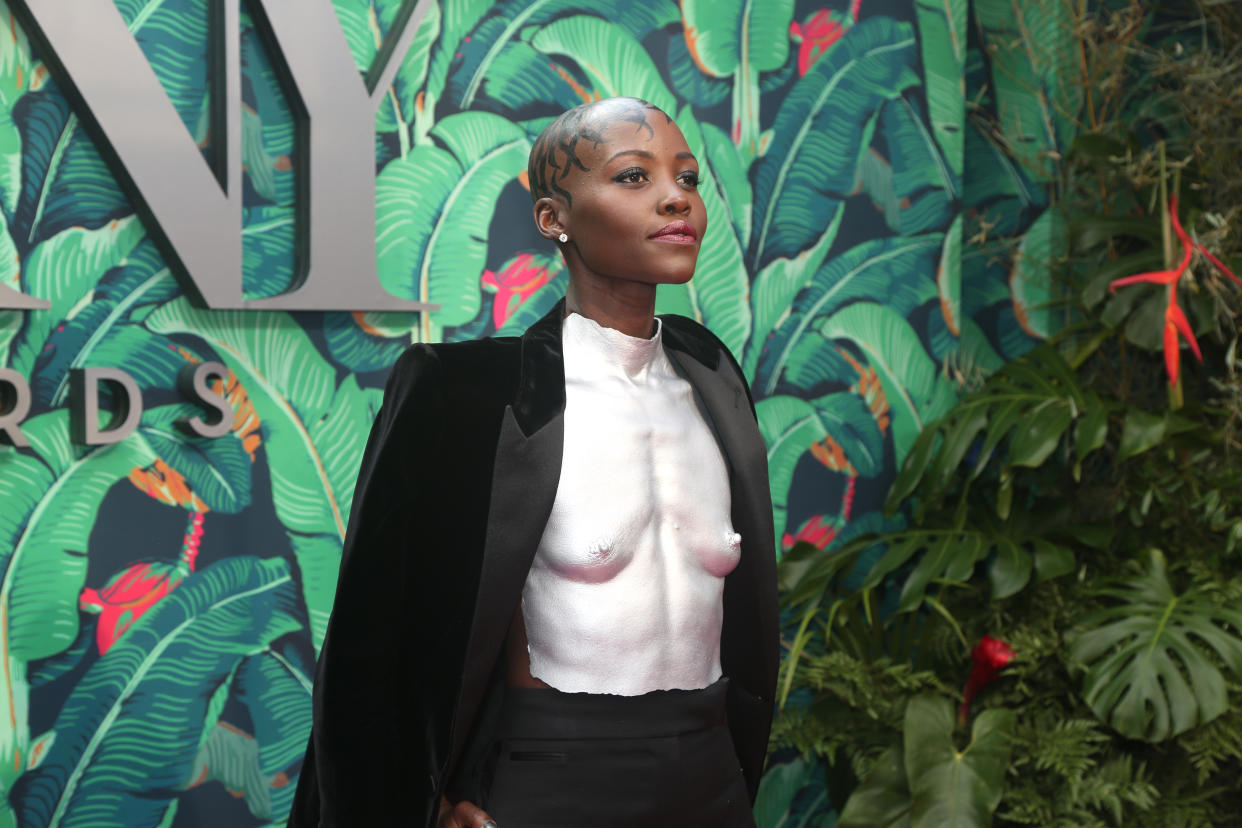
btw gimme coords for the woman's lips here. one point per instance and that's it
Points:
(677, 232)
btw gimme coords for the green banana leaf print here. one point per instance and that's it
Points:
(117, 764)
(847, 153)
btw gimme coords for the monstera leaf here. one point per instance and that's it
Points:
(314, 430)
(434, 208)
(64, 270)
(1153, 657)
(129, 732)
(507, 21)
(823, 127)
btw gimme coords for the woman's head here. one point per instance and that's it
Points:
(618, 179)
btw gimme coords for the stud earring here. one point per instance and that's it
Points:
(562, 238)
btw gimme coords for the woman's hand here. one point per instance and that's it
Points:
(463, 815)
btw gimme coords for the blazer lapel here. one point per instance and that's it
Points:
(525, 476)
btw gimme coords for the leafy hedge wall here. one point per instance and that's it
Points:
(163, 599)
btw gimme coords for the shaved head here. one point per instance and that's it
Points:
(555, 153)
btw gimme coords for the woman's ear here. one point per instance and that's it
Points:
(549, 218)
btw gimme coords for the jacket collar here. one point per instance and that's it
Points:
(543, 365)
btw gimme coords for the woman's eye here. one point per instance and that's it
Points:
(690, 179)
(630, 176)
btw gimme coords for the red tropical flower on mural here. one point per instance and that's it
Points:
(820, 33)
(133, 591)
(513, 285)
(817, 531)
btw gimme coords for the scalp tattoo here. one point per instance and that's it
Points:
(555, 152)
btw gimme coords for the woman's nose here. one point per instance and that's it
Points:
(675, 201)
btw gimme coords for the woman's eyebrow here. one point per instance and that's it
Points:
(645, 154)
(642, 153)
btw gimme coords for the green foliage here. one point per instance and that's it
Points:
(1149, 673)
(1039, 499)
(139, 710)
(849, 331)
(931, 782)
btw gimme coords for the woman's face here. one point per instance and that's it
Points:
(634, 212)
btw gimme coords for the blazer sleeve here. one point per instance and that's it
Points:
(364, 762)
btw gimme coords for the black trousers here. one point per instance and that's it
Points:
(578, 760)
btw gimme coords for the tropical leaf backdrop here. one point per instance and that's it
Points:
(164, 598)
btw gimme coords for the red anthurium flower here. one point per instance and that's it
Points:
(514, 285)
(989, 656)
(1175, 321)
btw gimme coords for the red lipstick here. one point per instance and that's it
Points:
(677, 232)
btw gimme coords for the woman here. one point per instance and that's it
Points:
(557, 599)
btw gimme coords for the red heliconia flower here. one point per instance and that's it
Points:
(132, 592)
(1175, 321)
(989, 656)
(815, 37)
(514, 285)
(816, 531)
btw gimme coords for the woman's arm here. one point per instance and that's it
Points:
(366, 763)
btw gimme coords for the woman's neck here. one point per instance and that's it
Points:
(628, 307)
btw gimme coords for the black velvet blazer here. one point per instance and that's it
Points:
(456, 485)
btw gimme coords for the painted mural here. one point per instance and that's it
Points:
(163, 599)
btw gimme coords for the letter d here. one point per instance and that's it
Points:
(84, 407)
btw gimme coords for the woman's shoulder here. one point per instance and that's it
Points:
(698, 340)
(470, 367)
